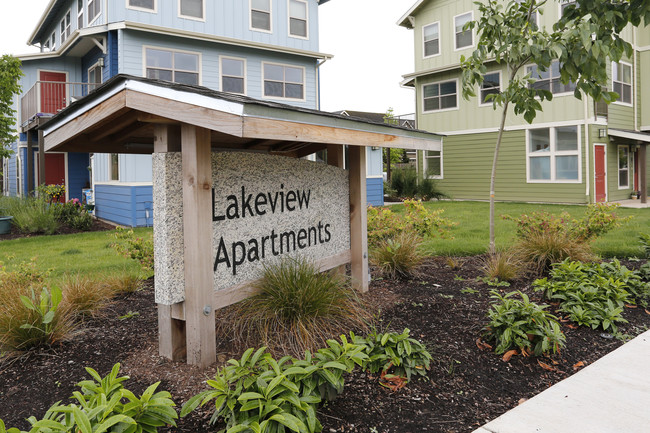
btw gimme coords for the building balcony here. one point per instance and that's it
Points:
(46, 98)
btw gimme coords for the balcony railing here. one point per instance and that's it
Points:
(49, 97)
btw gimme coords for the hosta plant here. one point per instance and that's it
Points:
(521, 324)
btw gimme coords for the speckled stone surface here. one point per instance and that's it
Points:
(264, 208)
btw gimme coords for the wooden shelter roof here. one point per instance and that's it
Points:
(120, 116)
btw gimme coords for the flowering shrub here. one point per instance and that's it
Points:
(133, 247)
(52, 193)
(74, 215)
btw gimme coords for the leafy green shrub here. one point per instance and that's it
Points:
(593, 294)
(396, 353)
(644, 239)
(74, 215)
(104, 405)
(522, 324)
(298, 308)
(33, 215)
(502, 266)
(397, 257)
(133, 247)
(405, 182)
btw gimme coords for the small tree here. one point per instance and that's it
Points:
(10, 73)
(583, 41)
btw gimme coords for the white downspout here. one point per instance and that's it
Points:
(587, 144)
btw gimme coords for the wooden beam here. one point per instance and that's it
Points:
(197, 227)
(308, 150)
(116, 125)
(152, 118)
(98, 116)
(274, 129)
(166, 138)
(358, 218)
(335, 155)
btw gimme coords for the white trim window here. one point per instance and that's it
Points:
(114, 166)
(80, 14)
(94, 8)
(233, 75)
(298, 18)
(142, 5)
(549, 79)
(491, 85)
(65, 27)
(432, 163)
(553, 154)
(622, 81)
(463, 38)
(170, 65)
(440, 96)
(192, 9)
(94, 77)
(431, 39)
(260, 18)
(623, 167)
(283, 81)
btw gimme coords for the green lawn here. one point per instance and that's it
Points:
(471, 235)
(89, 254)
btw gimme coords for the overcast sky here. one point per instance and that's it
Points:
(371, 53)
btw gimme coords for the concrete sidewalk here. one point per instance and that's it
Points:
(612, 395)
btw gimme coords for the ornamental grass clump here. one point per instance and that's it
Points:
(85, 296)
(298, 308)
(519, 324)
(502, 266)
(398, 256)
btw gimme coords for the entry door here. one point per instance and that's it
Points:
(600, 174)
(53, 93)
(55, 170)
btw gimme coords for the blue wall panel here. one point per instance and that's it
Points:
(111, 68)
(78, 174)
(124, 204)
(375, 191)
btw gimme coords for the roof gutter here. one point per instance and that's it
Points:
(48, 9)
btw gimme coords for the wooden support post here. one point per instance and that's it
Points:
(197, 230)
(643, 170)
(171, 331)
(358, 218)
(41, 157)
(335, 155)
(30, 164)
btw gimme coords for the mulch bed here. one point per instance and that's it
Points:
(98, 225)
(466, 387)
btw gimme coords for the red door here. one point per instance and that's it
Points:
(600, 177)
(55, 170)
(53, 94)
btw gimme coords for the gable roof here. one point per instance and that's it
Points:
(405, 21)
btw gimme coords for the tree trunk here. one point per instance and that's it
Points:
(494, 175)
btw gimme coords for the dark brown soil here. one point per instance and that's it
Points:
(466, 387)
(63, 230)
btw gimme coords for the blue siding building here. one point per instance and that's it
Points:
(266, 49)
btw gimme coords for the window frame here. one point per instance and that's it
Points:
(424, 56)
(425, 164)
(630, 164)
(457, 107)
(173, 50)
(189, 17)
(113, 167)
(285, 65)
(561, 5)
(481, 102)
(92, 86)
(96, 4)
(456, 48)
(250, 17)
(550, 78)
(141, 9)
(306, 3)
(222, 75)
(65, 27)
(631, 84)
(80, 14)
(553, 154)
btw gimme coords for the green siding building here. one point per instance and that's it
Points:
(576, 151)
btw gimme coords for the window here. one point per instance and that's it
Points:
(553, 154)
(440, 96)
(175, 66)
(298, 18)
(464, 38)
(190, 8)
(94, 7)
(53, 41)
(94, 76)
(431, 39)
(80, 14)
(114, 166)
(566, 4)
(622, 81)
(623, 167)
(491, 85)
(549, 80)
(433, 163)
(233, 75)
(283, 81)
(65, 27)
(261, 15)
(148, 5)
